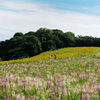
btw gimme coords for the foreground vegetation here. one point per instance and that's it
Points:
(75, 75)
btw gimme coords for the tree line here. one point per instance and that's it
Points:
(32, 43)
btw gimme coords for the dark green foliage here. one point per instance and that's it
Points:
(18, 34)
(32, 43)
(69, 39)
(46, 38)
(30, 33)
(20, 46)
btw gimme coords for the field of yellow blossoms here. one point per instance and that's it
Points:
(61, 53)
(74, 75)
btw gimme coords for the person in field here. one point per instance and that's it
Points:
(51, 58)
(55, 57)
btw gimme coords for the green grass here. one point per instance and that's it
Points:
(98, 54)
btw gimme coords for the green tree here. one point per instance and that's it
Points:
(12, 48)
(18, 34)
(69, 39)
(44, 36)
(32, 45)
(30, 33)
(58, 38)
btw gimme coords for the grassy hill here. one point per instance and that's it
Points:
(75, 75)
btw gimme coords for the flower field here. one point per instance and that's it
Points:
(75, 75)
(61, 53)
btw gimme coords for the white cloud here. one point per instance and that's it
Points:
(24, 17)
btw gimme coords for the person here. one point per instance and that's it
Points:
(51, 58)
(55, 57)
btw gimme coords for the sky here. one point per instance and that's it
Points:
(82, 17)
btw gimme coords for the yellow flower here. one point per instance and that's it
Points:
(61, 53)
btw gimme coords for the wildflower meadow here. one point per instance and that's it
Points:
(74, 75)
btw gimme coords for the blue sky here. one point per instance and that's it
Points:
(82, 17)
